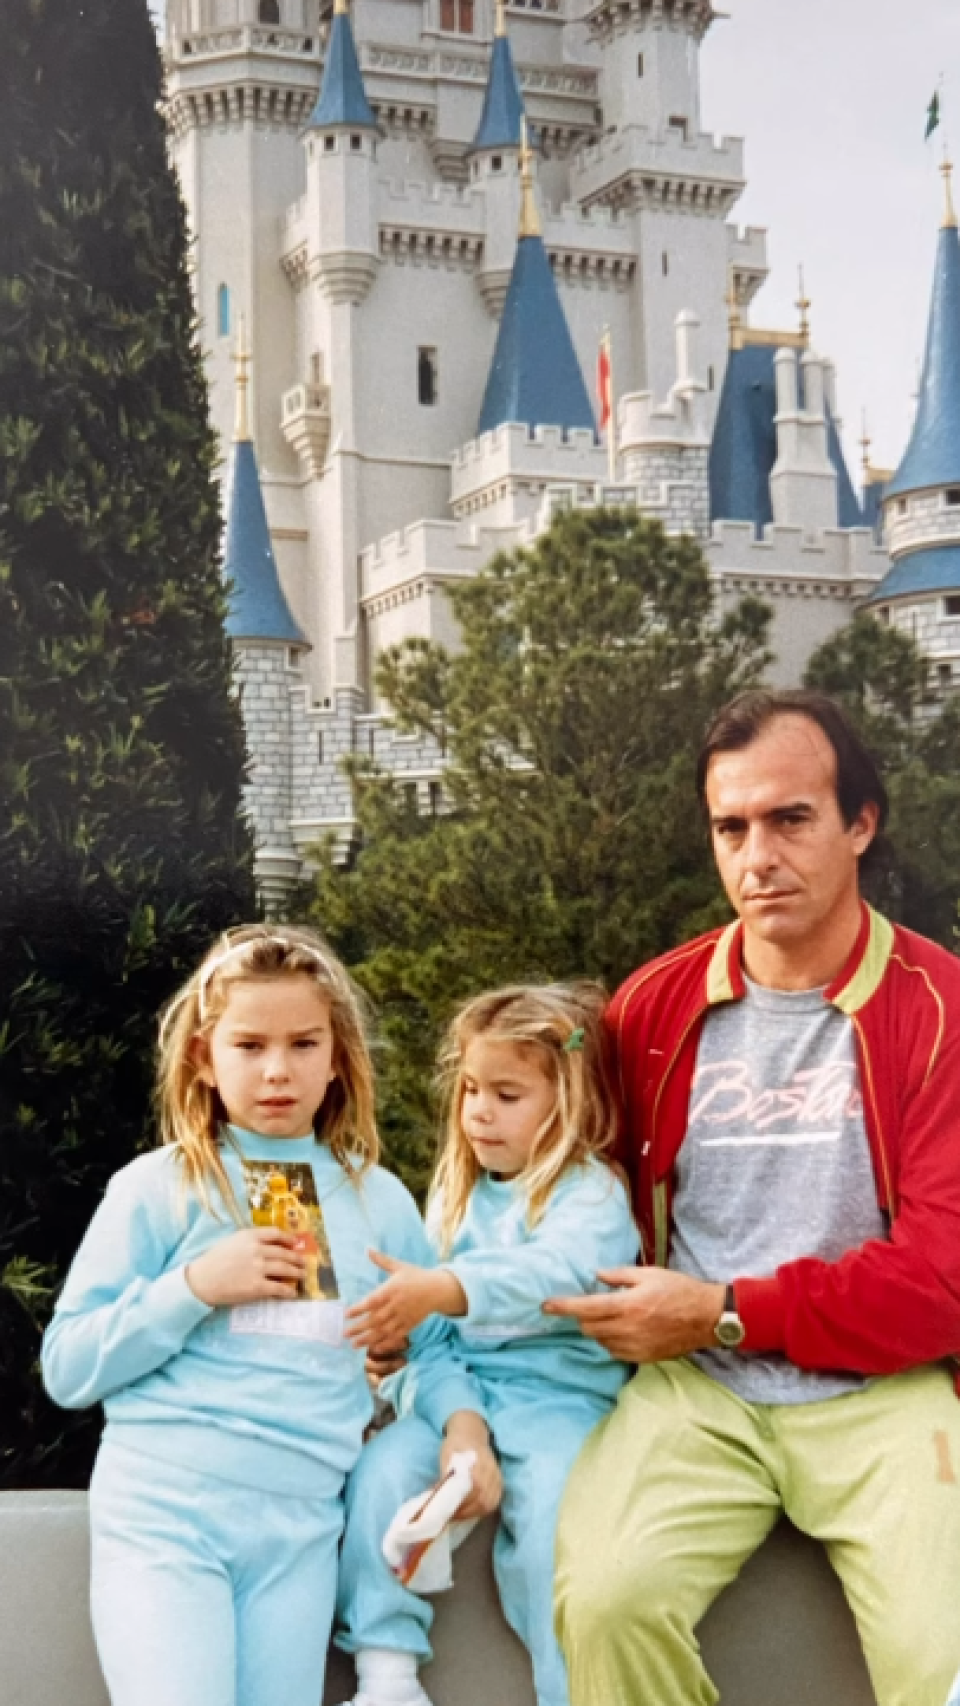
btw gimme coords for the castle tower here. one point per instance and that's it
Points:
(922, 502)
(535, 377)
(494, 162)
(675, 186)
(267, 648)
(341, 215)
(241, 84)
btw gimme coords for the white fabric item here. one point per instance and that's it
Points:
(386, 1677)
(427, 1522)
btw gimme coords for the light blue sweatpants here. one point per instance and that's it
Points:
(205, 1592)
(537, 1443)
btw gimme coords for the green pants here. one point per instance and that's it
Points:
(675, 1490)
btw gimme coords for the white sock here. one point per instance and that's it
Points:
(386, 1677)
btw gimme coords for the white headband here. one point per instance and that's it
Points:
(241, 947)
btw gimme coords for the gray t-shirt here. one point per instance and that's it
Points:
(775, 1165)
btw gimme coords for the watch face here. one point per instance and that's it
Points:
(729, 1331)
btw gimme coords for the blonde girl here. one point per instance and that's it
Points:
(234, 1404)
(524, 1207)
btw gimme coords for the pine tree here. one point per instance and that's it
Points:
(121, 848)
(571, 841)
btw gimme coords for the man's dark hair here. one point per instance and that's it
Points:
(738, 725)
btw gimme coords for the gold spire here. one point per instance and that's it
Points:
(241, 357)
(803, 304)
(865, 442)
(529, 217)
(950, 213)
(500, 18)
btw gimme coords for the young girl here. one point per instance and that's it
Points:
(523, 1208)
(205, 1309)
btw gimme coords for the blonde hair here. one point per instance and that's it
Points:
(191, 1112)
(559, 1025)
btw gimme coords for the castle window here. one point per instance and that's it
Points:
(426, 376)
(329, 144)
(639, 64)
(410, 797)
(496, 163)
(711, 379)
(951, 604)
(435, 797)
(320, 747)
(457, 16)
(944, 675)
(676, 123)
(902, 506)
(665, 263)
(951, 496)
(223, 312)
(316, 368)
(356, 143)
(268, 11)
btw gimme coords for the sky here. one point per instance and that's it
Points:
(831, 98)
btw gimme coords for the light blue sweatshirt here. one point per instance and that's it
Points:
(508, 1270)
(283, 1414)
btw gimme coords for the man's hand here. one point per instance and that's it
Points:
(390, 1313)
(259, 1262)
(655, 1314)
(466, 1431)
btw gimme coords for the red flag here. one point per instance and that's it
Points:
(603, 382)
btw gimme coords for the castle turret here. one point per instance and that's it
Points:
(535, 377)
(240, 86)
(922, 502)
(494, 164)
(267, 645)
(341, 144)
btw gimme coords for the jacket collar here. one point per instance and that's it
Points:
(850, 990)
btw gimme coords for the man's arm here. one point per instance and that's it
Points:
(655, 1314)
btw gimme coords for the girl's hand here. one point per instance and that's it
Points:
(259, 1262)
(391, 1312)
(466, 1431)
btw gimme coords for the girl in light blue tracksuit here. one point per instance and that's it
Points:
(523, 1208)
(205, 1311)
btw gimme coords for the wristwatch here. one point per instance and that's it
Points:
(729, 1331)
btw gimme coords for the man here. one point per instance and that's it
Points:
(792, 1098)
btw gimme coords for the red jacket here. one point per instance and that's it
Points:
(884, 1306)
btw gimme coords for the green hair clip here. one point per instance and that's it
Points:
(574, 1042)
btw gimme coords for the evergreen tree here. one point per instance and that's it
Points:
(882, 677)
(121, 848)
(570, 842)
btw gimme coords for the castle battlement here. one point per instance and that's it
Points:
(412, 191)
(444, 549)
(849, 556)
(670, 150)
(570, 215)
(513, 454)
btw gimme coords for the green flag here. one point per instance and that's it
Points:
(933, 116)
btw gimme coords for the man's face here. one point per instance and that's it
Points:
(786, 858)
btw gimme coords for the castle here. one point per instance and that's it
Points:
(425, 295)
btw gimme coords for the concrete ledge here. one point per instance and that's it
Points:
(781, 1636)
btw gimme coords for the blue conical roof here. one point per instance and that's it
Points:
(535, 376)
(936, 570)
(933, 454)
(502, 114)
(256, 606)
(343, 98)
